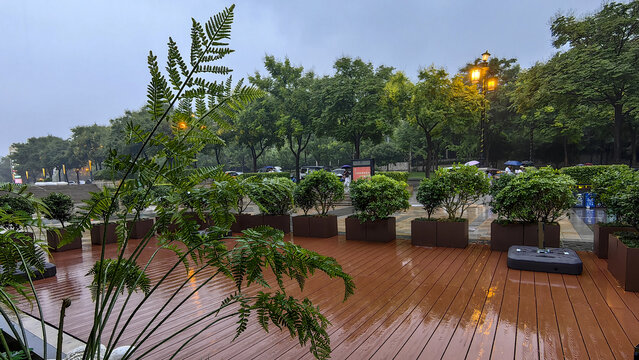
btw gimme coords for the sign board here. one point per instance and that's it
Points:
(363, 168)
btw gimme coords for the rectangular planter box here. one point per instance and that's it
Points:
(551, 235)
(354, 229)
(322, 226)
(623, 263)
(452, 234)
(140, 228)
(54, 239)
(98, 230)
(242, 222)
(279, 222)
(374, 231)
(423, 232)
(601, 234)
(503, 236)
(301, 225)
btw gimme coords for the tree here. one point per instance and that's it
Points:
(5, 169)
(351, 103)
(256, 128)
(295, 103)
(90, 143)
(46, 152)
(436, 102)
(600, 64)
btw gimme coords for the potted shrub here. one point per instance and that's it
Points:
(242, 188)
(375, 199)
(135, 200)
(319, 190)
(535, 196)
(100, 203)
(18, 207)
(506, 230)
(274, 197)
(60, 208)
(462, 186)
(423, 231)
(607, 185)
(623, 247)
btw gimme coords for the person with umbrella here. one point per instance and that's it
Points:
(509, 164)
(347, 176)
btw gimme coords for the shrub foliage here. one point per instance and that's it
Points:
(378, 197)
(319, 190)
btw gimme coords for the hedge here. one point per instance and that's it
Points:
(266, 175)
(583, 175)
(395, 175)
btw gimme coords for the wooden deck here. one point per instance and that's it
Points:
(410, 303)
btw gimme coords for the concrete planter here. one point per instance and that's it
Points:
(423, 232)
(601, 235)
(97, 232)
(552, 235)
(452, 234)
(503, 236)
(279, 222)
(623, 263)
(374, 231)
(140, 228)
(301, 225)
(54, 239)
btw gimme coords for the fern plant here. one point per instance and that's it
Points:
(191, 104)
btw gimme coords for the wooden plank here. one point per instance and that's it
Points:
(571, 338)
(482, 341)
(454, 271)
(620, 344)
(504, 344)
(419, 338)
(461, 339)
(630, 299)
(593, 336)
(547, 328)
(526, 344)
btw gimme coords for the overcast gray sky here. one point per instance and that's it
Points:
(68, 63)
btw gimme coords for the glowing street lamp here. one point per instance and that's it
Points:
(478, 75)
(182, 125)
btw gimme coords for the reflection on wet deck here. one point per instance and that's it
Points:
(410, 303)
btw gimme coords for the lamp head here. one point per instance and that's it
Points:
(485, 56)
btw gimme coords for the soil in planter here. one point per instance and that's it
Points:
(423, 232)
(601, 233)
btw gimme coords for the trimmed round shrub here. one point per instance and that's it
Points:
(274, 196)
(320, 190)
(378, 197)
(395, 175)
(611, 183)
(431, 194)
(538, 195)
(585, 175)
(60, 207)
(16, 207)
(463, 185)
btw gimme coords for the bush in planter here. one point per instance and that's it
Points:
(19, 207)
(61, 208)
(104, 205)
(395, 175)
(274, 197)
(463, 185)
(542, 195)
(608, 184)
(378, 197)
(623, 246)
(431, 195)
(319, 190)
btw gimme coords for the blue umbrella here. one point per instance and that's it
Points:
(345, 166)
(513, 163)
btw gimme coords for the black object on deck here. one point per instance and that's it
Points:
(552, 260)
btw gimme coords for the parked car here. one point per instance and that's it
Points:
(339, 173)
(270, 169)
(304, 170)
(234, 173)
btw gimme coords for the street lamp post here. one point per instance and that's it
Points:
(479, 76)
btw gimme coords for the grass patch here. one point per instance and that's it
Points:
(416, 175)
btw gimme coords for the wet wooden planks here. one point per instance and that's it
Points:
(410, 303)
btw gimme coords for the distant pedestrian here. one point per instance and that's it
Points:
(347, 179)
(519, 170)
(508, 170)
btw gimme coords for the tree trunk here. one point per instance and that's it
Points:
(254, 156)
(633, 149)
(565, 143)
(410, 159)
(357, 143)
(618, 129)
(531, 143)
(429, 156)
(297, 166)
(217, 155)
